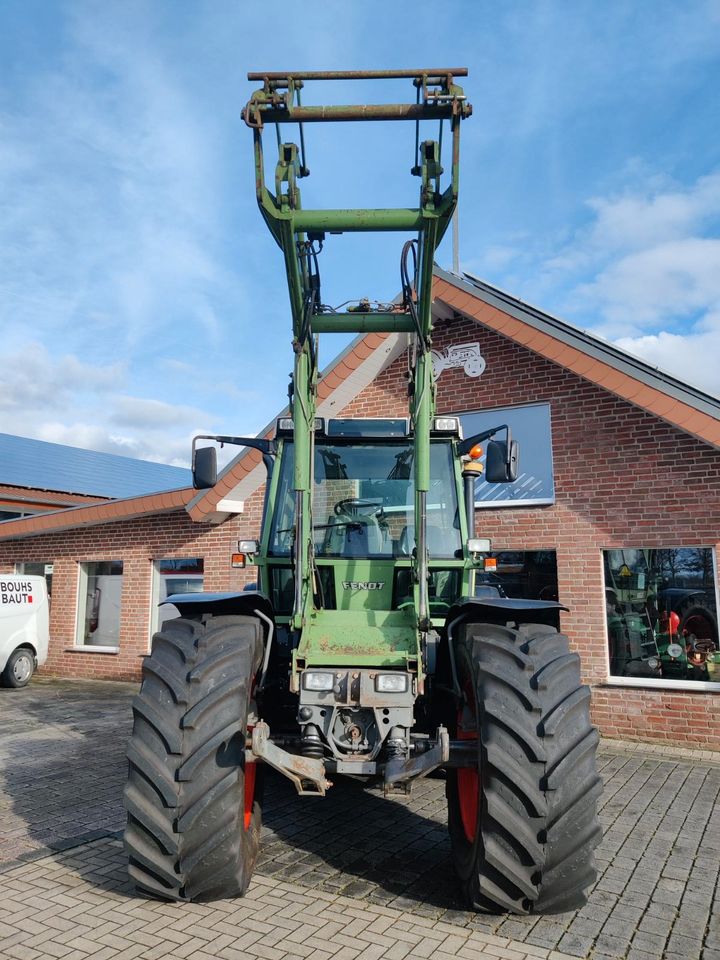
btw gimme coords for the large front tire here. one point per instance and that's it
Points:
(193, 804)
(523, 821)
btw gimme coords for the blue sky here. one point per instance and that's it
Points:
(142, 299)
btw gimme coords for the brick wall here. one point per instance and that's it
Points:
(623, 478)
(137, 543)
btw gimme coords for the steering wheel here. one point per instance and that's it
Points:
(355, 507)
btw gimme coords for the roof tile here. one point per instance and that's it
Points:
(108, 512)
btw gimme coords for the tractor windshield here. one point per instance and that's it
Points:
(363, 501)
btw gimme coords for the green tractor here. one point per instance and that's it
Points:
(366, 648)
(657, 630)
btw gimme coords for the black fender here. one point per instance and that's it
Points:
(499, 610)
(242, 603)
(487, 609)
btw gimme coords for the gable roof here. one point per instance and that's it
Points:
(588, 356)
(39, 465)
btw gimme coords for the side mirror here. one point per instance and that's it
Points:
(499, 466)
(204, 468)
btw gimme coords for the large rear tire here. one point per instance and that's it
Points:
(698, 622)
(193, 804)
(523, 821)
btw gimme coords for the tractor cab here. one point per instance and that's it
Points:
(363, 517)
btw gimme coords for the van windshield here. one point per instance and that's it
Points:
(363, 501)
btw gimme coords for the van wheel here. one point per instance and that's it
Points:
(19, 668)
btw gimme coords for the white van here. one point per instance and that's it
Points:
(24, 627)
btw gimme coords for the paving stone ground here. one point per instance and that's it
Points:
(355, 876)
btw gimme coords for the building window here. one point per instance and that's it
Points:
(37, 570)
(530, 426)
(11, 511)
(661, 611)
(522, 575)
(99, 604)
(173, 575)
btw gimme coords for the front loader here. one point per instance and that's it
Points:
(366, 648)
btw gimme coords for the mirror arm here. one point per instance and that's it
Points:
(266, 447)
(465, 446)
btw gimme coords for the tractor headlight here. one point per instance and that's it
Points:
(314, 680)
(446, 425)
(391, 682)
(653, 663)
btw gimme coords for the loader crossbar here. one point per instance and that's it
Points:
(434, 74)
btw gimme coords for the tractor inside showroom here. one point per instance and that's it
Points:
(658, 630)
(365, 649)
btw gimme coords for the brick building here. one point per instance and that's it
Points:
(616, 512)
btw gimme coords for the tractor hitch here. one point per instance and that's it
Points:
(306, 773)
(420, 764)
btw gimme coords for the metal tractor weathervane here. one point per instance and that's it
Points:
(365, 648)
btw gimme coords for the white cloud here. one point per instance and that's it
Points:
(143, 414)
(643, 272)
(691, 357)
(656, 284)
(636, 222)
(160, 446)
(31, 380)
(130, 237)
(111, 213)
(64, 400)
(666, 282)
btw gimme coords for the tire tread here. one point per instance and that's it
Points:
(185, 836)
(537, 822)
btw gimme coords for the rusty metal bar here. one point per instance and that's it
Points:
(307, 773)
(359, 74)
(419, 765)
(434, 110)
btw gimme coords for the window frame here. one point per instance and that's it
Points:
(81, 609)
(504, 413)
(652, 683)
(155, 580)
(21, 571)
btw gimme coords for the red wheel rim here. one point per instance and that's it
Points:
(468, 785)
(250, 773)
(468, 781)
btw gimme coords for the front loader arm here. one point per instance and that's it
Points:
(300, 235)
